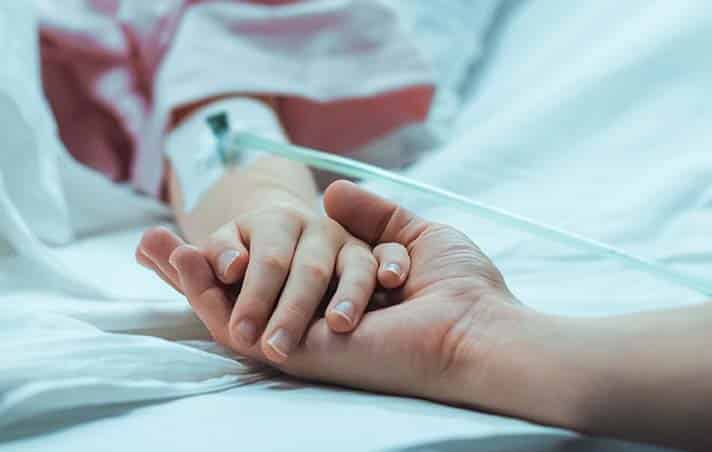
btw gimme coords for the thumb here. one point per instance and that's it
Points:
(369, 217)
(375, 356)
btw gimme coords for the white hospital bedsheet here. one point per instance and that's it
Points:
(596, 118)
(592, 116)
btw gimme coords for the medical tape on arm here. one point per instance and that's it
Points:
(191, 147)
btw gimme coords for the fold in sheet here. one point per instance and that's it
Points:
(53, 362)
(51, 359)
(78, 316)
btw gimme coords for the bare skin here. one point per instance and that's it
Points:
(260, 230)
(458, 335)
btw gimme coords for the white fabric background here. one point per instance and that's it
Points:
(592, 116)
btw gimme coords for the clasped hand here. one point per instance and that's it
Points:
(449, 295)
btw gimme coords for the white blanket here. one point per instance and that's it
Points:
(594, 117)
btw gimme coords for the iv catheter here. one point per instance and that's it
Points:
(231, 143)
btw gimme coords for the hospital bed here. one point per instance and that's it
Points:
(592, 116)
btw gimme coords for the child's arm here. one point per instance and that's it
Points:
(242, 187)
(258, 225)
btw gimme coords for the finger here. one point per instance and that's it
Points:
(357, 269)
(148, 263)
(350, 359)
(167, 281)
(306, 285)
(143, 259)
(271, 249)
(204, 291)
(227, 254)
(370, 217)
(393, 264)
(157, 244)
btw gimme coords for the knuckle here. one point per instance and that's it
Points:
(363, 259)
(257, 305)
(256, 298)
(315, 271)
(293, 214)
(362, 286)
(298, 312)
(209, 295)
(283, 211)
(276, 262)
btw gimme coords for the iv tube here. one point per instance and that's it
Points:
(238, 141)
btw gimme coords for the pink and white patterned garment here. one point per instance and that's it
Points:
(342, 73)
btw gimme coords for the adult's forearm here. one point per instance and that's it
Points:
(643, 377)
(653, 378)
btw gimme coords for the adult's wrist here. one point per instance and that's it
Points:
(530, 365)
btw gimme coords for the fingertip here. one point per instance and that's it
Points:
(244, 331)
(144, 245)
(272, 355)
(181, 257)
(393, 264)
(390, 275)
(203, 291)
(226, 253)
(142, 259)
(277, 346)
(230, 264)
(156, 237)
(335, 192)
(362, 213)
(339, 322)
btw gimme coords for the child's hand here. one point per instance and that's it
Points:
(294, 255)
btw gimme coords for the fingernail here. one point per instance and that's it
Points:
(346, 310)
(393, 268)
(172, 260)
(281, 343)
(247, 332)
(172, 257)
(225, 259)
(142, 257)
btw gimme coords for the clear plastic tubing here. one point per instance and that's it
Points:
(238, 141)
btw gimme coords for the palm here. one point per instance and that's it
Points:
(444, 259)
(416, 340)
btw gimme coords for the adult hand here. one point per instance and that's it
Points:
(459, 336)
(448, 319)
(456, 334)
(452, 316)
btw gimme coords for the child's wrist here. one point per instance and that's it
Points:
(193, 152)
(267, 194)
